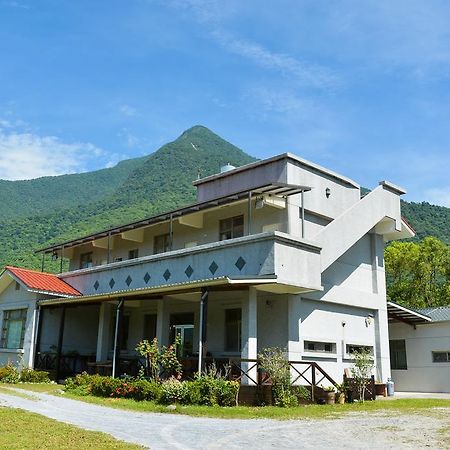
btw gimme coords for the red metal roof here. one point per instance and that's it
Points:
(42, 281)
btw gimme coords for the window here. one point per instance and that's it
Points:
(233, 321)
(149, 327)
(321, 347)
(352, 348)
(441, 357)
(231, 228)
(17, 286)
(398, 354)
(133, 254)
(161, 243)
(13, 329)
(182, 325)
(118, 259)
(86, 260)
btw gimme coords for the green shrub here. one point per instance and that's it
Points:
(28, 375)
(146, 390)
(107, 387)
(9, 374)
(302, 393)
(174, 391)
(80, 384)
(206, 390)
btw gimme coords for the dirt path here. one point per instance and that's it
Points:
(164, 431)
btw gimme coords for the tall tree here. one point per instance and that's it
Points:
(418, 274)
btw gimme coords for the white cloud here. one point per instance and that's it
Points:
(438, 196)
(128, 111)
(27, 155)
(303, 72)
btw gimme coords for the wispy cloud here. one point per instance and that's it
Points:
(128, 111)
(304, 72)
(27, 155)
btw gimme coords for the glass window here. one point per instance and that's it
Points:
(182, 325)
(161, 243)
(441, 357)
(232, 227)
(324, 347)
(233, 323)
(13, 329)
(352, 348)
(133, 254)
(86, 260)
(397, 349)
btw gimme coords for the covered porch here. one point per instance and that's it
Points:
(222, 321)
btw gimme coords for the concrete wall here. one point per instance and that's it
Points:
(422, 374)
(257, 251)
(11, 299)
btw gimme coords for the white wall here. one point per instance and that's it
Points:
(422, 375)
(11, 299)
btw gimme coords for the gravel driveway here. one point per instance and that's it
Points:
(164, 431)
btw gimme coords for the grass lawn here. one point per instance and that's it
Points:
(403, 406)
(24, 430)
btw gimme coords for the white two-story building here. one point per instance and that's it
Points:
(277, 253)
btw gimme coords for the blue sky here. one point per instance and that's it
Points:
(361, 87)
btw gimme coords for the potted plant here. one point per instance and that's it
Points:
(330, 395)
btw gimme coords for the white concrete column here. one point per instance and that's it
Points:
(383, 362)
(103, 334)
(249, 335)
(163, 322)
(294, 346)
(28, 359)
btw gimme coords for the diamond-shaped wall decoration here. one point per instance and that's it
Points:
(213, 267)
(111, 283)
(240, 263)
(96, 285)
(166, 274)
(128, 280)
(189, 271)
(147, 277)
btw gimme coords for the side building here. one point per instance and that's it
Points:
(420, 348)
(280, 252)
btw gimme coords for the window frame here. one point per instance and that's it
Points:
(85, 264)
(133, 253)
(319, 351)
(166, 237)
(5, 330)
(440, 352)
(396, 361)
(232, 228)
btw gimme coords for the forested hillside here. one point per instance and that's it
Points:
(60, 208)
(47, 210)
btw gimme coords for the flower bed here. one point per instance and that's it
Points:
(204, 390)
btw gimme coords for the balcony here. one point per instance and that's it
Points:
(276, 261)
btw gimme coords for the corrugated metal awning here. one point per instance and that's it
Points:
(400, 313)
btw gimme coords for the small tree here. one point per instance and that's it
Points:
(150, 351)
(156, 357)
(362, 370)
(274, 362)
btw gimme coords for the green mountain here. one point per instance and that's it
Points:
(47, 210)
(39, 212)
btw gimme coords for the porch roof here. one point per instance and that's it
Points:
(278, 189)
(155, 291)
(403, 314)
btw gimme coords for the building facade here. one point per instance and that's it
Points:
(420, 350)
(277, 253)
